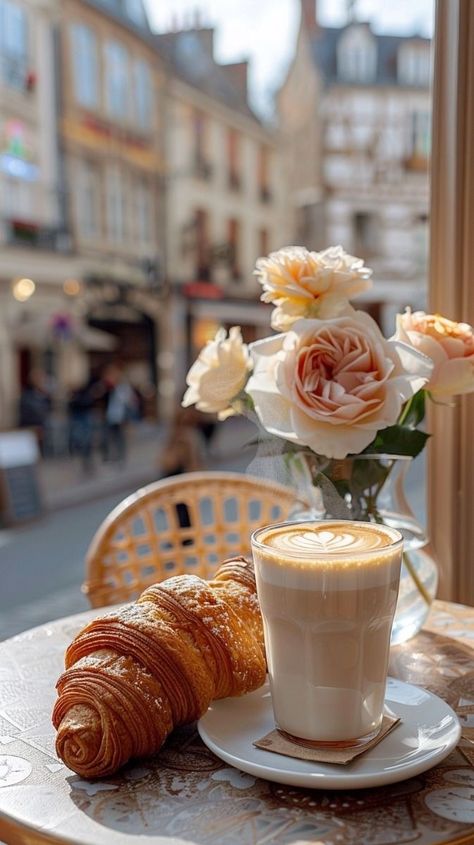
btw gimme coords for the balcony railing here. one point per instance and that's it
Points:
(27, 233)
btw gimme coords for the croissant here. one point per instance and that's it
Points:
(137, 673)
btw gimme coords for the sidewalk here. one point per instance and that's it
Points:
(64, 483)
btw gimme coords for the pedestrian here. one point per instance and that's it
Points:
(35, 406)
(120, 404)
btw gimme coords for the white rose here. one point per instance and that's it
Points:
(219, 374)
(310, 284)
(332, 384)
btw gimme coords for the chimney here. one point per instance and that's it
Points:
(308, 16)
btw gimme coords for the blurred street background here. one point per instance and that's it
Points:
(150, 152)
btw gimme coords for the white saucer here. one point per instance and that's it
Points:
(428, 732)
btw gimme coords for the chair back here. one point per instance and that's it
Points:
(185, 523)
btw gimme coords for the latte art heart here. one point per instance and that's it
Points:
(328, 539)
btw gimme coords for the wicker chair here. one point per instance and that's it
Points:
(185, 523)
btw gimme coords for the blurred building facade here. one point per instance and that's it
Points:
(82, 163)
(354, 114)
(224, 196)
(33, 240)
(112, 139)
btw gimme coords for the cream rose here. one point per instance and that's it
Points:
(450, 346)
(310, 284)
(331, 385)
(219, 374)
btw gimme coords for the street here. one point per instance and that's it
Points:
(42, 564)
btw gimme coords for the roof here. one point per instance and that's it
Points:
(189, 54)
(324, 47)
(132, 13)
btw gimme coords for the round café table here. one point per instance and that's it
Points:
(187, 795)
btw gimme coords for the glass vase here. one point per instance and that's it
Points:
(371, 488)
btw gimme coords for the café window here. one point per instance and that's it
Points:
(13, 44)
(85, 66)
(116, 79)
(143, 94)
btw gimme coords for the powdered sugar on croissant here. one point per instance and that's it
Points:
(135, 674)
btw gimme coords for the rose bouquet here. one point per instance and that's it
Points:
(329, 381)
(343, 402)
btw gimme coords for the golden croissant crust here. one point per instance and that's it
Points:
(135, 674)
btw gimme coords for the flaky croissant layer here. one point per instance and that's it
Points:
(137, 673)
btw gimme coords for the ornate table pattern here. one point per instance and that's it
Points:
(186, 795)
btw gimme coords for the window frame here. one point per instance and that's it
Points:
(451, 454)
(82, 76)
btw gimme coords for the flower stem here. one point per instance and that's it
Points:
(418, 584)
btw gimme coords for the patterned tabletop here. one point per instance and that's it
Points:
(186, 795)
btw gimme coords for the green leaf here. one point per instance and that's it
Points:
(414, 411)
(398, 440)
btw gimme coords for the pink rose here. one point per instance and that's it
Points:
(450, 346)
(332, 384)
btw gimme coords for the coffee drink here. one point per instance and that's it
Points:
(328, 592)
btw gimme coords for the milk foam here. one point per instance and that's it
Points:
(332, 538)
(339, 555)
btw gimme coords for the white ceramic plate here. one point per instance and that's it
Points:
(428, 732)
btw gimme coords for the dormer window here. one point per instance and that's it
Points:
(414, 64)
(357, 55)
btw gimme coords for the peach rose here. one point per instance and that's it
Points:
(331, 385)
(450, 346)
(310, 284)
(219, 374)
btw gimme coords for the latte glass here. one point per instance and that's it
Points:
(328, 593)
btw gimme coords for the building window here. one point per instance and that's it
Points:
(364, 233)
(233, 160)
(13, 45)
(262, 175)
(414, 65)
(143, 94)
(263, 242)
(18, 199)
(144, 214)
(201, 165)
(357, 55)
(116, 80)
(201, 222)
(87, 197)
(421, 135)
(86, 66)
(234, 249)
(116, 206)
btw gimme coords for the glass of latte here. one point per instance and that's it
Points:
(327, 592)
